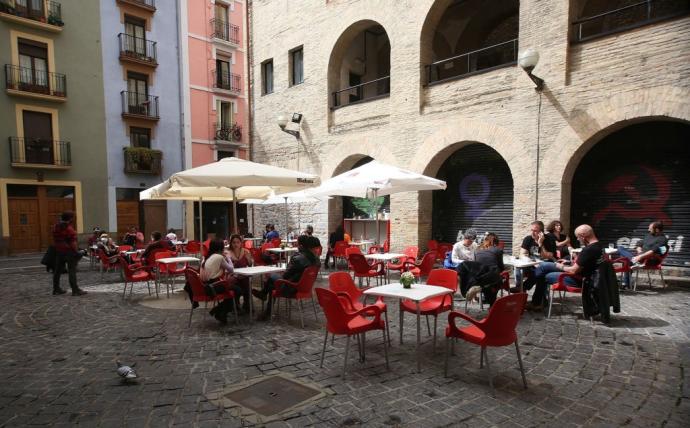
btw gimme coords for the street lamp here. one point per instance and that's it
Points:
(528, 59)
(283, 123)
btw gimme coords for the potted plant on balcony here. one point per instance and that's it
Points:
(54, 20)
(7, 8)
(236, 132)
(141, 159)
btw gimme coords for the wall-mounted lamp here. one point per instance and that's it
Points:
(528, 59)
(283, 122)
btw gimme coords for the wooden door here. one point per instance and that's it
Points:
(127, 216)
(155, 217)
(24, 225)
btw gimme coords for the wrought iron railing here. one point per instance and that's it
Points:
(223, 30)
(365, 91)
(137, 48)
(227, 81)
(35, 81)
(472, 62)
(141, 160)
(42, 11)
(37, 151)
(148, 4)
(628, 17)
(229, 132)
(134, 103)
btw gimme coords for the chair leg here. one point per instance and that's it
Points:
(313, 305)
(347, 350)
(388, 328)
(148, 285)
(428, 328)
(522, 369)
(445, 364)
(637, 275)
(550, 303)
(649, 280)
(401, 324)
(234, 306)
(663, 281)
(435, 322)
(301, 312)
(323, 351)
(385, 347)
(191, 311)
(124, 293)
(488, 370)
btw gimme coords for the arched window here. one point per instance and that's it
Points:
(359, 68)
(470, 37)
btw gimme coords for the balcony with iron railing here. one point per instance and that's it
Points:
(628, 17)
(137, 50)
(40, 153)
(367, 91)
(228, 132)
(474, 62)
(33, 83)
(227, 81)
(142, 160)
(149, 5)
(42, 14)
(223, 30)
(141, 106)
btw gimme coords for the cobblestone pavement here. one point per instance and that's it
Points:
(58, 353)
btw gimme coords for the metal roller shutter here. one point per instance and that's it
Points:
(479, 195)
(633, 177)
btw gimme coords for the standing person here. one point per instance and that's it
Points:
(465, 248)
(66, 252)
(213, 268)
(298, 263)
(240, 257)
(654, 243)
(555, 229)
(337, 235)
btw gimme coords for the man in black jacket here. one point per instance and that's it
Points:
(305, 258)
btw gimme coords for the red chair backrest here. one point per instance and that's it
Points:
(318, 251)
(248, 244)
(427, 263)
(431, 245)
(123, 248)
(336, 317)
(307, 280)
(276, 242)
(359, 263)
(339, 249)
(204, 248)
(504, 315)
(443, 278)
(126, 270)
(342, 282)
(194, 280)
(163, 268)
(151, 259)
(442, 250)
(655, 261)
(411, 251)
(266, 246)
(193, 247)
(352, 250)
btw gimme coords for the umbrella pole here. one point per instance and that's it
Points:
(201, 220)
(376, 215)
(286, 217)
(234, 211)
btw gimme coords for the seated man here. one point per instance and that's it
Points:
(587, 262)
(106, 244)
(272, 233)
(536, 245)
(337, 235)
(157, 243)
(298, 263)
(654, 244)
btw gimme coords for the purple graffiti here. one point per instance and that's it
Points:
(473, 199)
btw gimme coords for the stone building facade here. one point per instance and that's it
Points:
(451, 81)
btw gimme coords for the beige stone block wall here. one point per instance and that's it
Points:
(592, 89)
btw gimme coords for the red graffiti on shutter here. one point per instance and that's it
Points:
(647, 207)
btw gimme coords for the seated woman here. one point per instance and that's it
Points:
(464, 249)
(484, 273)
(555, 229)
(212, 273)
(240, 257)
(106, 244)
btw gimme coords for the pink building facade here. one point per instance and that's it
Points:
(216, 90)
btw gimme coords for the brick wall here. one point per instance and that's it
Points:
(591, 89)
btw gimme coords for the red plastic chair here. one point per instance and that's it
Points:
(423, 267)
(256, 256)
(497, 329)
(341, 321)
(362, 269)
(431, 245)
(344, 286)
(563, 288)
(124, 248)
(621, 265)
(276, 242)
(436, 305)
(652, 263)
(377, 248)
(411, 252)
(304, 288)
(199, 294)
(107, 263)
(442, 249)
(169, 271)
(193, 247)
(248, 244)
(132, 274)
(339, 252)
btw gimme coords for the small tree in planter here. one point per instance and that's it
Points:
(142, 159)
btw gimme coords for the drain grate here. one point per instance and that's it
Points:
(268, 398)
(273, 395)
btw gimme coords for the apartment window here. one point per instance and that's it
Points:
(267, 77)
(222, 154)
(223, 73)
(221, 12)
(225, 114)
(297, 66)
(135, 29)
(140, 137)
(33, 63)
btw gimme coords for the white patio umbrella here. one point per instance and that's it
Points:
(229, 179)
(298, 197)
(375, 179)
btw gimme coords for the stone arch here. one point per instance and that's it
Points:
(586, 128)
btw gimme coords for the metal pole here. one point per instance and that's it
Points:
(376, 214)
(234, 211)
(201, 217)
(286, 216)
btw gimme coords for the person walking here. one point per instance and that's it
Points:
(66, 252)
